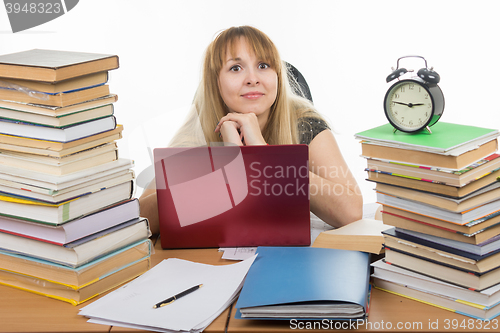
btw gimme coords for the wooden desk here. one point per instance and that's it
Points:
(22, 311)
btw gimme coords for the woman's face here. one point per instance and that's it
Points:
(247, 84)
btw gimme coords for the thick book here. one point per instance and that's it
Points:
(56, 111)
(456, 161)
(442, 254)
(56, 214)
(82, 251)
(466, 229)
(63, 134)
(488, 297)
(60, 166)
(478, 234)
(61, 99)
(450, 177)
(71, 231)
(469, 251)
(444, 138)
(58, 149)
(77, 83)
(58, 121)
(433, 187)
(362, 235)
(108, 137)
(75, 277)
(49, 184)
(59, 161)
(72, 295)
(448, 303)
(492, 245)
(53, 65)
(474, 215)
(461, 277)
(485, 195)
(47, 195)
(306, 283)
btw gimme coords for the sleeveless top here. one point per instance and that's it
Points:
(309, 127)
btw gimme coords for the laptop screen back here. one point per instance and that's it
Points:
(233, 196)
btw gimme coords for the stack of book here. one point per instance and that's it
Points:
(69, 228)
(441, 193)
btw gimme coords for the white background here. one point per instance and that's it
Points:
(345, 50)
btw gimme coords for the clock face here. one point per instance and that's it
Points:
(409, 105)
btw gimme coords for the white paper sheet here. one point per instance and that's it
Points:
(237, 253)
(132, 304)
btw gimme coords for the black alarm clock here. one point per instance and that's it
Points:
(416, 103)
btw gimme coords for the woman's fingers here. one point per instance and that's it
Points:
(239, 118)
(247, 124)
(230, 134)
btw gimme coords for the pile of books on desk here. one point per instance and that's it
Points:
(441, 193)
(68, 226)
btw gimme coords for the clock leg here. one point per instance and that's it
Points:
(428, 129)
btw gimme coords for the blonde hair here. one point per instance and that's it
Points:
(209, 108)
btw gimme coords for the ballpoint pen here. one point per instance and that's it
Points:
(175, 297)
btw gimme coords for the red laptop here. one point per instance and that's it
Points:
(233, 196)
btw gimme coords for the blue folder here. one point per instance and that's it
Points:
(290, 275)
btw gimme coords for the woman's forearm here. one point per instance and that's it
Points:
(336, 203)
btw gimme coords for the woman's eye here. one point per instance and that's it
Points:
(235, 68)
(263, 66)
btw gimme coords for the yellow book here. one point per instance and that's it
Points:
(438, 300)
(70, 294)
(75, 278)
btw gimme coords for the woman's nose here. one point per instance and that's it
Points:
(252, 77)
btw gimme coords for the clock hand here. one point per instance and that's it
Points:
(408, 104)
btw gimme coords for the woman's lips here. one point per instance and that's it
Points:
(253, 95)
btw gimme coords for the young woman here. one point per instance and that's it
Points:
(246, 98)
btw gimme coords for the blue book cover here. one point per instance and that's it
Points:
(302, 275)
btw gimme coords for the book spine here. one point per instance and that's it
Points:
(31, 237)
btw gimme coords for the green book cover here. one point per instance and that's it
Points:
(444, 137)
